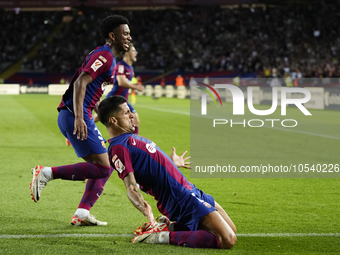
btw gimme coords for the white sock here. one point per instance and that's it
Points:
(164, 237)
(47, 173)
(82, 213)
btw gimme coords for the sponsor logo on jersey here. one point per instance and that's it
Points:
(114, 158)
(151, 147)
(121, 69)
(133, 142)
(119, 166)
(102, 58)
(96, 65)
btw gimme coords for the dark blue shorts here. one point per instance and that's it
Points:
(193, 207)
(94, 144)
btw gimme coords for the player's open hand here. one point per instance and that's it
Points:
(140, 88)
(80, 129)
(180, 161)
(148, 213)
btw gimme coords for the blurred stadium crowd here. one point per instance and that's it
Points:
(20, 31)
(300, 40)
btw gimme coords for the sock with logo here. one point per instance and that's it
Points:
(93, 189)
(80, 171)
(194, 239)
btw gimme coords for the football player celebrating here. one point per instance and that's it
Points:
(122, 81)
(76, 123)
(200, 221)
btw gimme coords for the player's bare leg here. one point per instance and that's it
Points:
(215, 223)
(100, 159)
(225, 216)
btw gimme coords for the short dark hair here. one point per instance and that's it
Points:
(110, 23)
(109, 107)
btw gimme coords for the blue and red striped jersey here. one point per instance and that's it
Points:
(100, 64)
(122, 68)
(154, 171)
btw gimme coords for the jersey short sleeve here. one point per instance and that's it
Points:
(120, 160)
(99, 63)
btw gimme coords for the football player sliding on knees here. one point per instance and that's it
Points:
(191, 218)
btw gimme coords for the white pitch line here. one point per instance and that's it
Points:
(265, 126)
(130, 235)
(63, 235)
(289, 235)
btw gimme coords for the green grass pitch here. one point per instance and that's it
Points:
(301, 214)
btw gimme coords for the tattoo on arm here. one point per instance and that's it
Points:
(133, 192)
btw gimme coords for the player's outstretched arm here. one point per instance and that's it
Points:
(137, 199)
(180, 161)
(124, 82)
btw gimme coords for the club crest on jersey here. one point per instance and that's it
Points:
(151, 147)
(96, 65)
(207, 204)
(119, 166)
(103, 144)
(102, 58)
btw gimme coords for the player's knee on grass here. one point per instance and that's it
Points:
(214, 223)
(225, 216)
(227, 241)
